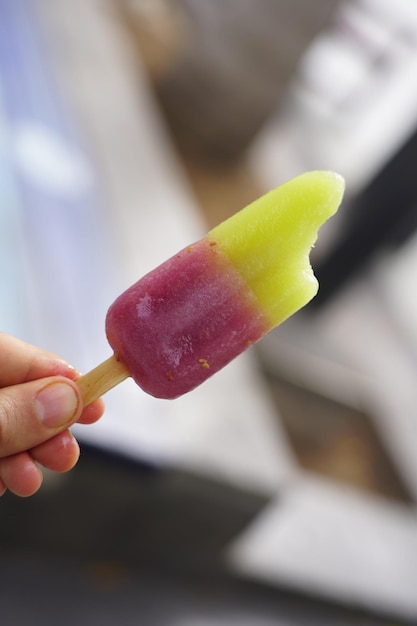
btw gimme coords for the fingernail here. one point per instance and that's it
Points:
(56, 404)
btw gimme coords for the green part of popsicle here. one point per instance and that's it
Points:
(269, 241)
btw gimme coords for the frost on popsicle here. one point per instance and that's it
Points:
(192, 315)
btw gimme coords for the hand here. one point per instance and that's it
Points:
(39, 400)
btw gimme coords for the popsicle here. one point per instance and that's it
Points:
(188, 318)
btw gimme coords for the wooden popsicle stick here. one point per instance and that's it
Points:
(102, 378)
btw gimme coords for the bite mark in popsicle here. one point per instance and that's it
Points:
(192, 315)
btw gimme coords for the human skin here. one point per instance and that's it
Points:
(39, 401)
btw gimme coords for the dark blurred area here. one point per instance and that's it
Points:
(283, 491)
(230, 68)
(382, 216)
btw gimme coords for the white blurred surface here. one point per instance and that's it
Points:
(312, 537)
(353, 101)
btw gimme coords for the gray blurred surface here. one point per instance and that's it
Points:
(120, 544)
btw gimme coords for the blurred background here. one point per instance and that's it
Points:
(283, 491)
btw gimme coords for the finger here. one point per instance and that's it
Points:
(20, 474)
(21, 362)
(33, 412)
(3, 488)
(59, 454)
(92, 412)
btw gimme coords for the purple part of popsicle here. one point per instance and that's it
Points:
(184, 321)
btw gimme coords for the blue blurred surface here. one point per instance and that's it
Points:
(58, 255)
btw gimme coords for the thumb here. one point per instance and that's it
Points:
(31, 413)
